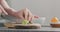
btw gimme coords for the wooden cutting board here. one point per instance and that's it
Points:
(22, 26)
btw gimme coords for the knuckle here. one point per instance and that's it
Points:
(26, 9)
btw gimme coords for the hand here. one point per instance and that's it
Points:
(24, 14)
(2, 10)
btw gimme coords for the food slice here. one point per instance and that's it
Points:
(25, 22)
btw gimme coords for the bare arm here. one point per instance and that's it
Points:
(23, 14)
(8, 9)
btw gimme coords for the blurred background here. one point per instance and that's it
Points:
(42, 8)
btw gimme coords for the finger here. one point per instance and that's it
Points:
(26, 15)
(30, 21)
(3, 11)
(21, 17)
(36, 16)
(0, 11)
(30, 16)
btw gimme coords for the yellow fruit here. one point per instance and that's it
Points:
(54, 20)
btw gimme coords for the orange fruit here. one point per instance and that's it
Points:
(54, 20)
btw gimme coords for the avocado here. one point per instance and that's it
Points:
(25, 22)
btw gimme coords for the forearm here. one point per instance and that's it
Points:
(7, 8)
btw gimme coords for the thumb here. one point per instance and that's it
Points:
(3, 11)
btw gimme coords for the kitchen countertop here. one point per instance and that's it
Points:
(45, 29)
(42, 29)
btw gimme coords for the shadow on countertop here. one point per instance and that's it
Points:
(1, 25)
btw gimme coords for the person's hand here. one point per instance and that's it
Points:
(2, 10)
(24, 14)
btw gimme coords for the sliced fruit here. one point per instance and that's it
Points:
(54, 20)
(25, 22)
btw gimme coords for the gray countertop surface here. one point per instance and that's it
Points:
(41, 29)
(3, 29)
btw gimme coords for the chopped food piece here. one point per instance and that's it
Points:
(25, 22)
(8, 24)
(54, 20)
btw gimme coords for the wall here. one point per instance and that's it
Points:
(45, 8)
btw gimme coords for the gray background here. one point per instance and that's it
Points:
(43, 8)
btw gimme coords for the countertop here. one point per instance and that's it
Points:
(42, 29)
(45, 29)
